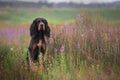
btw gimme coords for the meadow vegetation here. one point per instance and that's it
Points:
(84, 44)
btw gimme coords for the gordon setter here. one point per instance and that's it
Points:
(38, 30)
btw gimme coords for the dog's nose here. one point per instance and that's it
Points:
(41, 25)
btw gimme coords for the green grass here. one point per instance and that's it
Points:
(28, 15)
(54, 15)
(110, 14)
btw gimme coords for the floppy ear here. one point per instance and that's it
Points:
(47, 28)
(33, 28)
(34, 31)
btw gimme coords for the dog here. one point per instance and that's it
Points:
(38, 30)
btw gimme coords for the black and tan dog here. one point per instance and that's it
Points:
(38, 30)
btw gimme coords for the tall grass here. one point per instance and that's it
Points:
(87, 49)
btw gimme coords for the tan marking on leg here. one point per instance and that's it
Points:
(44, 46)
(34, 46)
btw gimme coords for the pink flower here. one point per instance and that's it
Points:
(55, 50)
(51, 41)
(80, 18)
(62, 48)
(70, 28)
(78, 45)
(65, 26)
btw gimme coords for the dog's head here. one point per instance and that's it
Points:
(40, 24)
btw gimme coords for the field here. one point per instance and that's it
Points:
(84, 44)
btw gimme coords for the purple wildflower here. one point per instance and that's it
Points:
(71, 28)
(80, 18)
(65, 26)
(12, 34)
(51, 41)
(55, 50)
(78, 45)
(62, 48)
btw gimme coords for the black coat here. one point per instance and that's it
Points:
(37, 35)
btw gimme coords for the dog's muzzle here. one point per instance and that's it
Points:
(42, 26)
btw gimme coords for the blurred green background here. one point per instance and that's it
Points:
(55, 15)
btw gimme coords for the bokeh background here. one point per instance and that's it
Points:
(84, 43)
